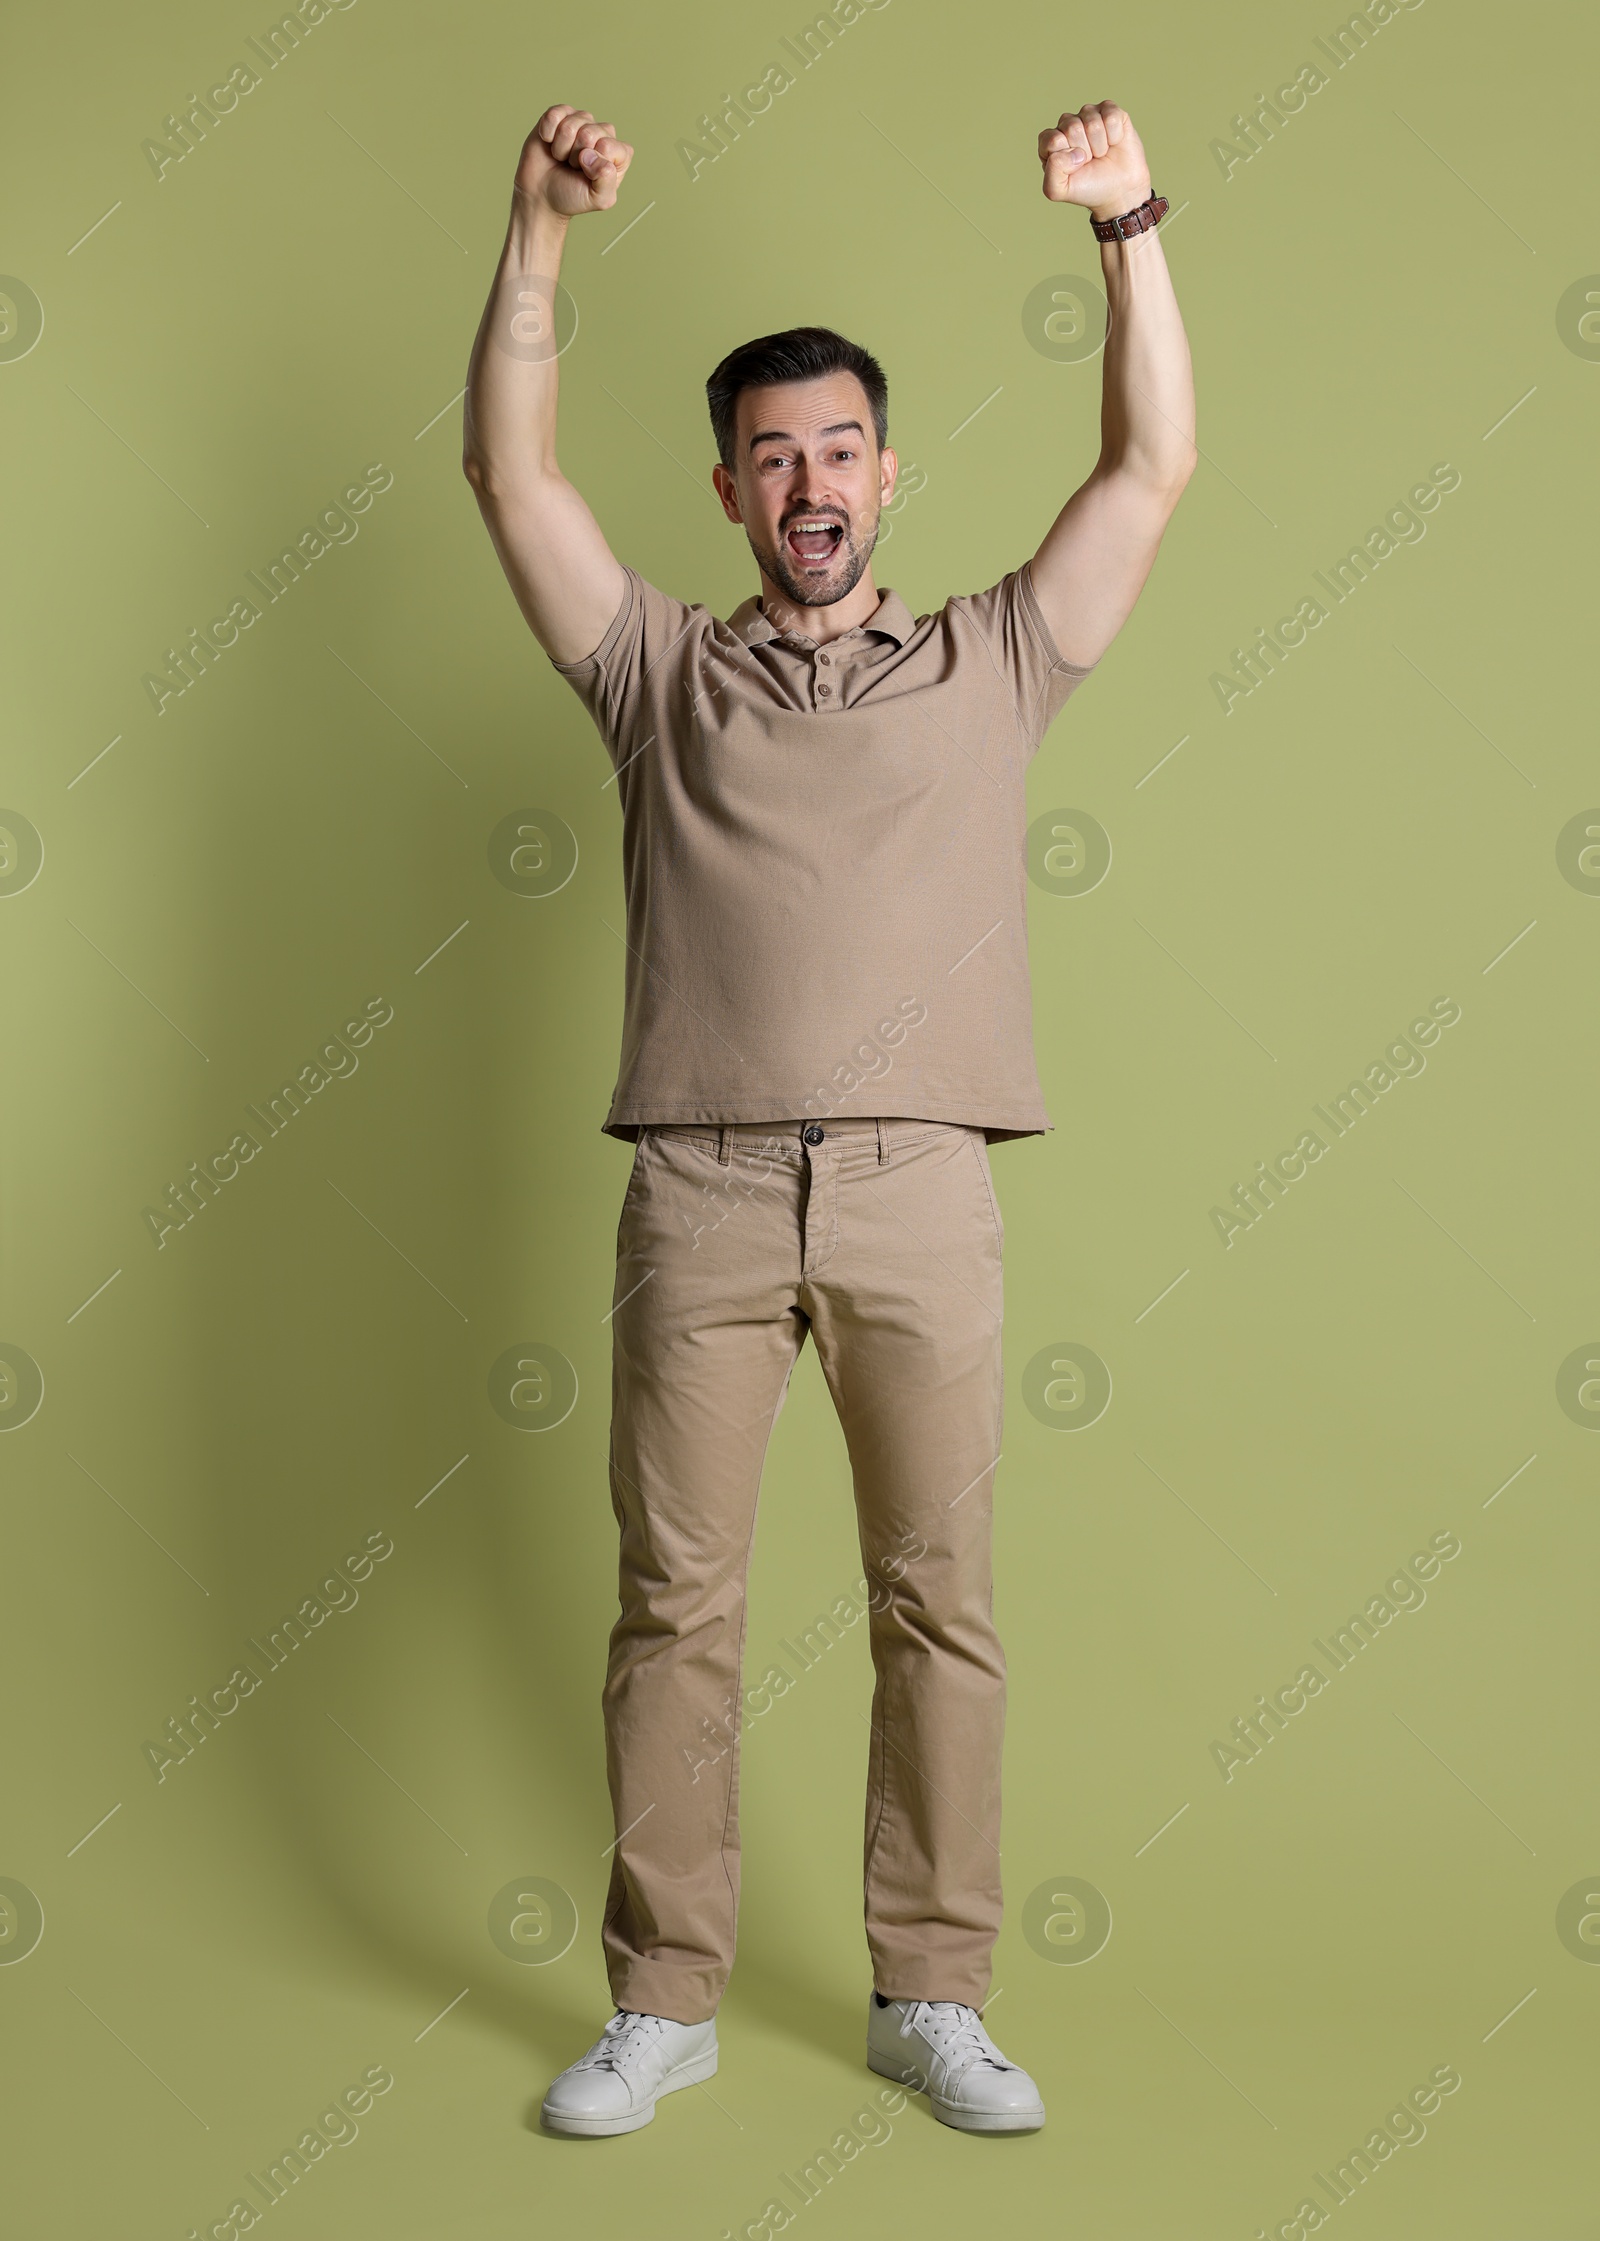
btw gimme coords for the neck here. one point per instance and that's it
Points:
(820, 623)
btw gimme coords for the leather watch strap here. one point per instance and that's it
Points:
(1148, 215)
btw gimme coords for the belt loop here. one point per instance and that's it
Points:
(883, 1141)
(725, 1144)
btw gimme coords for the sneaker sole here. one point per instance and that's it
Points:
(949, 2112)
(694, 2072)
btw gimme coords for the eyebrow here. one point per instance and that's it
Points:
(772, 435)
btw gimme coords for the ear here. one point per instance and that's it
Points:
(888, 469)
(727, 490)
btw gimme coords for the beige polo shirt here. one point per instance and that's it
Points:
(824, 858)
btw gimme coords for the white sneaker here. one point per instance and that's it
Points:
(615, 2086)
(941, 2048)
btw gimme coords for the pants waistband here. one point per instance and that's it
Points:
(789, 1139)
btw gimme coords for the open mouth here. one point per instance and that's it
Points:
(814, 540)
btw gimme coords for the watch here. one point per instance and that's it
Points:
(1148, 215)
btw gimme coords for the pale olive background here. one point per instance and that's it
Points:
(1368, 297)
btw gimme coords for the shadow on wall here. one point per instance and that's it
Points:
(389, 1238)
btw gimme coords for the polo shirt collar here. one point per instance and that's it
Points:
(892, 619)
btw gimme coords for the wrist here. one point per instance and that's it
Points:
(534, 225)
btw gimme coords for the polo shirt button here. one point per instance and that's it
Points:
(823, 691)
(814, 1134)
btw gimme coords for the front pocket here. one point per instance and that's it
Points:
(980, 1153)
(639, 1144)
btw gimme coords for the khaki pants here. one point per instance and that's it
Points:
(884, 1241)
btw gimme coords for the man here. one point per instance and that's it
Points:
(827, 1021)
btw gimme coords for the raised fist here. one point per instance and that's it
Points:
(1095, 158)
(571, 163)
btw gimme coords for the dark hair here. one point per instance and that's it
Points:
(798, 354)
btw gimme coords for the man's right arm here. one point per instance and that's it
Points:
(567, 581)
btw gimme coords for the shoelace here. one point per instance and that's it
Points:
(627, 2034)
(957, 2031)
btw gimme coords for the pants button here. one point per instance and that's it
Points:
(814, 1134)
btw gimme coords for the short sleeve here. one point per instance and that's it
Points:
(649, 651)
(1008, 622)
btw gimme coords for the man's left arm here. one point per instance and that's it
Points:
(1102, 545)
